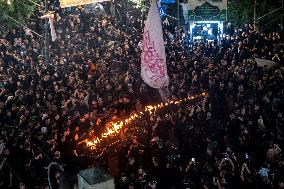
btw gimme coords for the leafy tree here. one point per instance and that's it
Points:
(19, 10)
(241, 12)
(142, 5)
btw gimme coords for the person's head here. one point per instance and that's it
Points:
(155, 160)
(232, 116)
(123, 177)
(82, 120)
(68, 122)
(256, 107)
(131, 160)
(167, 116)
(131, 186)
(1, 140)
(22, 186)
(67, 131)
(57, 155)
(209, 151)
(140, 170)
(28, 163)
(281, 184)
(251, 101)
(222, 85)
(135, 143)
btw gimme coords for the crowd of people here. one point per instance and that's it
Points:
(232, 138)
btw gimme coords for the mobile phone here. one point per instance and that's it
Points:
(193, 159)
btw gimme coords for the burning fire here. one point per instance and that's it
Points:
(115, 127)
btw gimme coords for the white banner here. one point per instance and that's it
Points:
(153, 57)
(71, 3)
(52, 29)
(50, 17)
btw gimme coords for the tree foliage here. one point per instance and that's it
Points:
(19, 10)
(241, 12)
(143, 5)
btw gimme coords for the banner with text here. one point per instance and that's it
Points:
(153, 56)
(71, 3)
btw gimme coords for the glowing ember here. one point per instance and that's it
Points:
(115, 127)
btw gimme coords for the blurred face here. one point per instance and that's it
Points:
(208, 115)
(100, 101)
(251, 101)
(6, 151)
(76, 137)
(167, 116)
(28, 163)
(38, 96)
(123, 178)
(68, 122)
(209, 152)
(281, 184)
(77, 128)
(256, 107)
(8, 114)
(22, 186)
(131, 161)
(238, 112)
(230, 84)
(67, 132)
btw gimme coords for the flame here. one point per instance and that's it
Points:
(113, 128)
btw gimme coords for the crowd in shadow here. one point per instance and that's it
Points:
(230, 139)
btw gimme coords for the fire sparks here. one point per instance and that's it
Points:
(114, 128)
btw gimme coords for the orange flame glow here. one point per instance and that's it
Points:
(115, 127)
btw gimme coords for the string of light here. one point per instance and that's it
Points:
(115, 127)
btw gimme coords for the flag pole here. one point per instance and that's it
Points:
(254, 12)
(178, 20)
(164, 93)
(46, 50)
